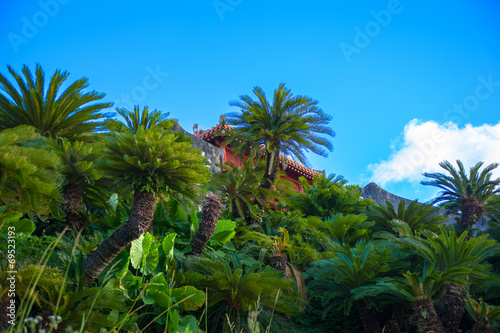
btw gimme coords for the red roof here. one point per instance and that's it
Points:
(208, 136)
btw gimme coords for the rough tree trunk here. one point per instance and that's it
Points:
(211, 210)
(426, 317)
(72, 194)
(279, 262)
(368, 318)
(141, 217)
(453, 305)
(471, 212)
(481, 328)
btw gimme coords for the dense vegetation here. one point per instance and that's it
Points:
(119, 226)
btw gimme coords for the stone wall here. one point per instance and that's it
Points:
(211, 152)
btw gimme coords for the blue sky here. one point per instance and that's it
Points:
(408, 83)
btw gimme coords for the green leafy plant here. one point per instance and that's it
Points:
(156, 163)
(417, 216)
(28, 182)
(468, 194)
(335, 279)
(66, 114)
(328, 196)
(235, 285)
(288, 126)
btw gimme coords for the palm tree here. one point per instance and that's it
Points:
(78, 168)
(53, 113)
(157, 163)
(415, 290)
(447, 251)
(289, 126)
(470, 195)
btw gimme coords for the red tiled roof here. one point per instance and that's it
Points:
(205, 135)
(209, 134)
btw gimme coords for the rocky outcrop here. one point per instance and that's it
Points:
(211, 152)
(380, 195)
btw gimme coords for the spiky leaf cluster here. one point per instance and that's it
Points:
(156, 161)
(133, 120)
(458, 186)
(53, 113)
(418, 216)
(328, 196)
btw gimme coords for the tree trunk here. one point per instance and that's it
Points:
(481, 328)
(368, 318)
(471, 212)
(141, 217)
(453, 307)
(279, 262)
(426, 317)
(211, 210)
(72, 194)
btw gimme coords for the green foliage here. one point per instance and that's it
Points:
(328, 196)
(417, 216)
(144, 253)
(289, 126)
(239, 188)
(342, 228)
(27, 181)
(223, 233)
(139, 119)
(66, 114)
(238, 285)
(447, 250)
(483, 313)
(459, 186)
(334, 280)
(156, 161)
(413, 287)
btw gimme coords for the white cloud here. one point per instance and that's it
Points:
(426, 144)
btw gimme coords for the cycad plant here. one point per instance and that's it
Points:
(417, 216)
(70, 113)
(468, 194)
(139, 119)
(415, 290)
(156, 163)
(234, 287)
(485, 316)
(27, 181)
(328, 196)
(210, 213)
(239, 188)
(447, 251)
(80, 172)
(286, 127)
(335, 279)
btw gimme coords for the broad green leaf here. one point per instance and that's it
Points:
(168, 249)
(195, 300)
